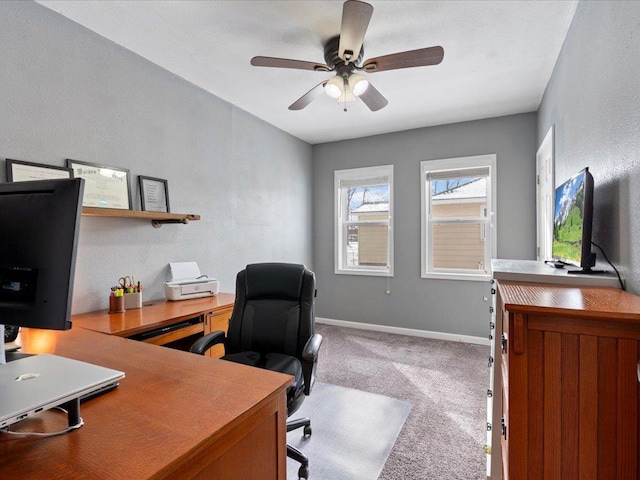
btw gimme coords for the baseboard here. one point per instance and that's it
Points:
(414, 332)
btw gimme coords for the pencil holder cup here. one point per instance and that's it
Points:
(132, 300)
(116, 304)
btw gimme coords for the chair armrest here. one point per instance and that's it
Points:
(310, 352)
(310, 361)
(203, 344)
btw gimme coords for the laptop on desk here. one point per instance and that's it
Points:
(33, 384)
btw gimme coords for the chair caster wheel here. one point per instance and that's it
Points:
(307, 431)
(303, 472)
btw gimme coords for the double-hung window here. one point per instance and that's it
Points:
(364, 221)
(458, 217)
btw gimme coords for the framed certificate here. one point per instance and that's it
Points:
(154, 194)
(19, 171)
(104, 186)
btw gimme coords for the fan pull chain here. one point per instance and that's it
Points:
(346, 85)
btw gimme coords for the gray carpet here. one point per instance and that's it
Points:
(445, 383)
(353, 433)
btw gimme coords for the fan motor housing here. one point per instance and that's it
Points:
(333, 60)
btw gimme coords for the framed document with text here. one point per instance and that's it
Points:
(154, 194)
(19, 171)
(104, 187)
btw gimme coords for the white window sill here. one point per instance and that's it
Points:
(370, 273)
(485, 277)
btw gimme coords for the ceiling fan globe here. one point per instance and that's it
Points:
(334, 87)
(358, 84)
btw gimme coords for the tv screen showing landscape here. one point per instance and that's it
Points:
(568, 220)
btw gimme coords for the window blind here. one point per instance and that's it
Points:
(458, 173)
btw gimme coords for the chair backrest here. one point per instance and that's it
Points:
(273, 310)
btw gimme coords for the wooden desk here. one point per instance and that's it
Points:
(214, 313)
(175, 415)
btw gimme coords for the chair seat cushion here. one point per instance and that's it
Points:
(279, 362)
(246, 358)
(276, 362)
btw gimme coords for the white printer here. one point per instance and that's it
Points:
(186, 281)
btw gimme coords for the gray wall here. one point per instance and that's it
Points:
(66, 92)
(593, 100)
(426, 304)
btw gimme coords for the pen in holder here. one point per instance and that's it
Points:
(116, 304)
(132, 300)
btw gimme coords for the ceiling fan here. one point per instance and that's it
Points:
(343, 54)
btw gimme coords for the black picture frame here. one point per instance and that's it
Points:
(154, 194)
(22, 171)
(105, 186)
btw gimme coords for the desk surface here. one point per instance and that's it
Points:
(170, 409)
(153, 314)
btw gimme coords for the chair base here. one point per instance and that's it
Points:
(294, 453)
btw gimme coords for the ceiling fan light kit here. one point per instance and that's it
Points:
(358, 84)
(334, 87)
(340, 55)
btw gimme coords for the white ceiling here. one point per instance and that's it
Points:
(498, 57)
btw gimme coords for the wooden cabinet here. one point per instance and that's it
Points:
(570, 365)
(214, 321)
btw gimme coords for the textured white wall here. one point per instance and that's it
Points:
(66, 92)
(593, 100)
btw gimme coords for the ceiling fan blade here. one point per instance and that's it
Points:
(413, 58)
(308, 97)
(373, 99)
(355, 20)
(287, 63)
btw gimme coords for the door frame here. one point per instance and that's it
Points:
(545, 192)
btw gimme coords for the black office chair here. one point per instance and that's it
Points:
(272, 327)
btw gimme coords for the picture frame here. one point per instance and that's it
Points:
(154, 194)
(21, 171)
(105, 186)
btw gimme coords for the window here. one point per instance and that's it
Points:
(458, 217)
(364, 226)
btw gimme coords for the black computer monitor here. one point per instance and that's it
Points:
(39, 225)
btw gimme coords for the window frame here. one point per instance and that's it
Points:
(340, 224)
(459, 163)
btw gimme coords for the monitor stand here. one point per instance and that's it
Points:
(11, 356)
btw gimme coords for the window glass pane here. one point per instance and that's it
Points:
(367, 245)
(366, 203)
(458, 197)
(459, 245)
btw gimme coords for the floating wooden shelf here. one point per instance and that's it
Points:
(157, 218)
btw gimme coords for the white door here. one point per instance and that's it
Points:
(545, 192)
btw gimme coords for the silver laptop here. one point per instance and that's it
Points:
(33, 384)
